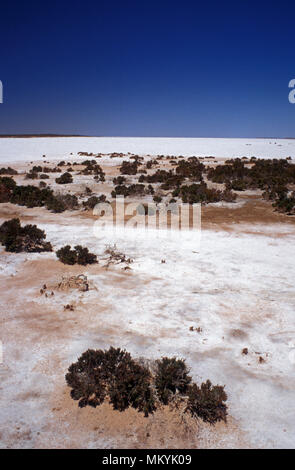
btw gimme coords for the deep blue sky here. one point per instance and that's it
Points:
(145, 68)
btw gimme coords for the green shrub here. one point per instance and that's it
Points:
(171, 377)
(129, 168)
(62, 202)
(200, 193)
(207, 402)
(8, 171)
(132, 190)
(31, 175)
(111, 374)
(78, 255)
(119, 180)
(93, 200)
(114, 375)
(65, 178)
(36, 169)
(6, 187)
(92, 168)
(30, 196)
(28, 238)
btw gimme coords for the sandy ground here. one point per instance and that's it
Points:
(237, 285)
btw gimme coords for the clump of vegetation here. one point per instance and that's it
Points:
(113, 375)
(47, 169)
(200, 193)
(271, 176)
(7, 186)
(93, 200)
(33, 196)
(79, 255)
(151, 163)
(168, 179)
(171, 377)
(28, 238)
(129, 168)
(207, 402)
(8, 171)
(191, 168)
(65, 178)
(31, 175)
(36, 169)
(285, 203)
(30, 196)
(131, 190)
(62, 202)
(119, 180)
(92, 168)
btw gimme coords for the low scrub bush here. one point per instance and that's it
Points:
(62, 202)
(34, 196)
(8, 171)
(132, 190)
(30, 196)
(207, 402)
(78, 255)
(200, 193)
(129, 168)
(92, 168)
(113, 375)
(93, 200)
(7, 186)
(119, 180)
(171, 377)
(65, 178)
(28, 238)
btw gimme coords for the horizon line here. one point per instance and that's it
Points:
(51, 135)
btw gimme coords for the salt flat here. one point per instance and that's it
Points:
(236, 286)
(17, 149)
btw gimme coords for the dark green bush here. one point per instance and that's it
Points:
(36, 169)
(93, 200)
(8, 171)
(129, 168)
(65, 178)
(200, 193)
(132, 190)
(28, 238)
(30, 196)
(31, 175)
(119, 180)
(92, 168)
(78, 255)
(113, 374)
(171, 377)
(6, 187)
(62, 202)
(207, 402)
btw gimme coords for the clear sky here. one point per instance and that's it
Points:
(147, 68)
